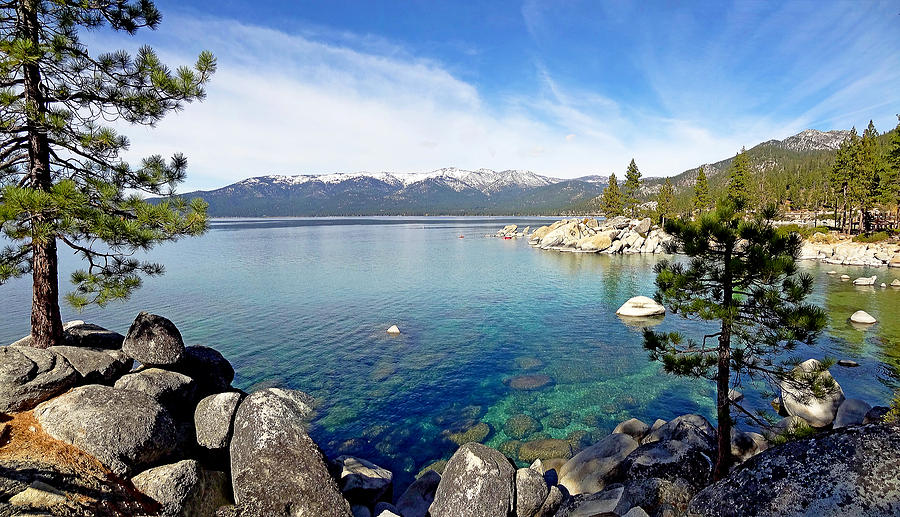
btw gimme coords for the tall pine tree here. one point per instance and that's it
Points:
(702, 199)
(611, 200)
(61, 168)
(743, 275)
(864, 189)
(739, 180)
(665, 202)
(890, 181)
(632, 188)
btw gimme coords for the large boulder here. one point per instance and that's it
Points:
(363, 482)
(850, 471)
(691, 429)
(746, 444)
(29, 376)
(213, 419)
(641, 306)
(96, 365)
(175, 391)
(598, 242)
(126, 430)
(863, 317)
(154, 341)
(531, 491)
(208, 367)
(79, 333)
(276, 468)
(540, 233)
(800, 400)
(417, 499)
(590, 469)
(600, 504)
(669, 460)
(633, 428)
(184, 488)
(478, 482)
(643, 226)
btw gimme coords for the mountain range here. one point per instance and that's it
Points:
(453, 191)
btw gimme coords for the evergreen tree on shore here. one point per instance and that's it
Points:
(739, 180)
(702, 200)
(743, 275)
(632, 188)
(62, 174)
(665, 202)
(890, 183)
(611, 200)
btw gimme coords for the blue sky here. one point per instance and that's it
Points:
(563, 88)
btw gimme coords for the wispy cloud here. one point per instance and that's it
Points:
(321, 101)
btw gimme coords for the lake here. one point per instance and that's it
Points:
(305, 303)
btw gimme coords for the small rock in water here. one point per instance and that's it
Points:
(862, 317)
(845, 277)
(641, 306)
(393, 330)
(848, 363)
(529, 382)
(896, 282)
(865, 280)
(832, 272)
(883, 285)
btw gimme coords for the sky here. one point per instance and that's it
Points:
(564, 88)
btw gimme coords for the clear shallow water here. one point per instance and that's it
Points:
(304, 303)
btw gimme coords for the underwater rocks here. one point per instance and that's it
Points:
(529, 382)
(475, 432)
(521, 425)
(544, 449)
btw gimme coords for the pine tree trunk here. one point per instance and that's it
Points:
(46, 323)
(723, 376)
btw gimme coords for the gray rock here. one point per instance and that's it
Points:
(175, 391)
(643, 226)
(800, 401)
(276, 468)
(416, 500)
(126, 430)
(88, 335)
(154, 341)
(633, 428)
(478, 482)
(652, 494)
(601, 503)
(208, 367)
(745, 445)
(29, 376)
(847, 363)
(363, 482)
(657, 424)
(183, 488)
(213, 419)
(691, 429)
(552, 503)
(531, 491)
(670, 460)
(590, 469)
(876, 415)
(637, 511)
(96, 365)
(851, 412)
(850, 471)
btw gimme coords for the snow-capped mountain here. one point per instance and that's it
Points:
(812, 140)
(486, 181)
(442, 191)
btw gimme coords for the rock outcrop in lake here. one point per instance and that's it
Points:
(589, 235)
(831, 249)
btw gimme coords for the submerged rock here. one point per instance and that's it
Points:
(126, 430)
(529, 382)
(545, 449)
(641, 306)
(476, 432)
(854, 472)
(478, 482)
(521, 425)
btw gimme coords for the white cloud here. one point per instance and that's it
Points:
(290, 104)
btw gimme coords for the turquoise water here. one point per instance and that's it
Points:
(304, 303)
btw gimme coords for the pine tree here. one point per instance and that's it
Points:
(611, 201)
(839, 178)
(864, 187)
(665, 202)
(632, 188)
(743, 275)
(739, 180)
(890, 182)
(62, 173)
(701, 192)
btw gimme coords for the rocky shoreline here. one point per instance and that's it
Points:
(588, 235)
(84, 432)
(629, 236)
